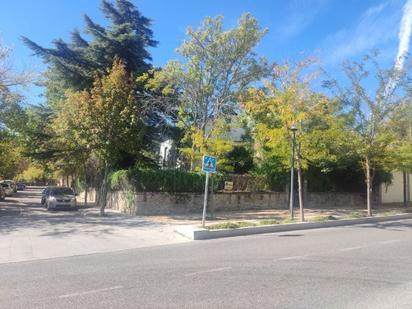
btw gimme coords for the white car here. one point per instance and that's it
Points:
(58, 198)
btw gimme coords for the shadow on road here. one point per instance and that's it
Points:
(390, 226)
(24, 212)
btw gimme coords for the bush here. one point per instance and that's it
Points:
(156, 180)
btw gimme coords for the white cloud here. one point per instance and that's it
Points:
(376, 28)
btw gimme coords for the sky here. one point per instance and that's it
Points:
(332, 30)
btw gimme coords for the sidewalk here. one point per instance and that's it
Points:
(33, 233)
(277, 214)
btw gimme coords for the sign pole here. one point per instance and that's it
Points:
(205, 199)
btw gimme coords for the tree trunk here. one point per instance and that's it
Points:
(86, 187)
(103, 197)
(368, 187)
(300, 185)
(211, 199)
(405, 189)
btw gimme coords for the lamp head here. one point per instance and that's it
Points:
(293, 128)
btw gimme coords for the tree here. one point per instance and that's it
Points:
(74, 65)
(219, 65)
(369, 131)
(33, 174)
(11, 115)
(401, 125)
(10, 156)
(110, 120)
(8, 78)
(286, 100)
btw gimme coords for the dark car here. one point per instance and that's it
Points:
(7, 188)
(11, 184)
(58, 198)
(20, 186)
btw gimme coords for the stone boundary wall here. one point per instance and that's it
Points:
(91, 196)
(161, 203)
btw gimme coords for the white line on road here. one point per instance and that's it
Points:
(208, 271)
(91, 291)
(351, 248)
(297, 257)
(387, 242)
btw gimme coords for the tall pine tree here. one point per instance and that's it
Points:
(75, 64)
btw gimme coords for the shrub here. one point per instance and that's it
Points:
(230, 225)
(156, 180)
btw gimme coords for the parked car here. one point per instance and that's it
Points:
(58, 198)
(20, 186)
(2, 194)
(8, 189)
(11, 183)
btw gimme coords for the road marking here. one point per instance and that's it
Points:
(350, 248)
(296, 257)
(207, 271)
(387, 242)
(91, 291)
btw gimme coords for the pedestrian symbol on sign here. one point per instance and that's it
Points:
(209, 164)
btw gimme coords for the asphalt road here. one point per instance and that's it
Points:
(368, 266)
(29, 232)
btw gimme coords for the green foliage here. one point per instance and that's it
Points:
(239, 160)
(74, 65)
(275, 171)
(230, 225)
(270, 222)
(78, 186)
(154, 180)
(33, 173)
(401, 125)
(109, 119)
(218, 65)
(356, 215)
(118, 179)
(323, 218)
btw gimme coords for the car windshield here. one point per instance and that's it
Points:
(4, 185)
(61, 191)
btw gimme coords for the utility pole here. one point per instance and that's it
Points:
(292, 195)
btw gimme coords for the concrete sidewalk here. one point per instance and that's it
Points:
(29, 232)
(311, 215)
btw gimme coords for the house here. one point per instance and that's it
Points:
(401, 186)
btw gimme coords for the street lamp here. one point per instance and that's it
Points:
(293, 128)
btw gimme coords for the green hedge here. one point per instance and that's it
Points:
(156, 180)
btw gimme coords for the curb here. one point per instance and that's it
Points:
(194, 233)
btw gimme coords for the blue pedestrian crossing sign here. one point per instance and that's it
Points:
(209, 164)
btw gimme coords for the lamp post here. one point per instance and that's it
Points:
(293, 128)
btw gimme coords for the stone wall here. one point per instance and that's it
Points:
(91, 197)
(160, 203)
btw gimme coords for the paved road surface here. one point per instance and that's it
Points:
(29, 232)
(368, 266)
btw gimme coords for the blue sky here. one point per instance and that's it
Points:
(334, 30)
